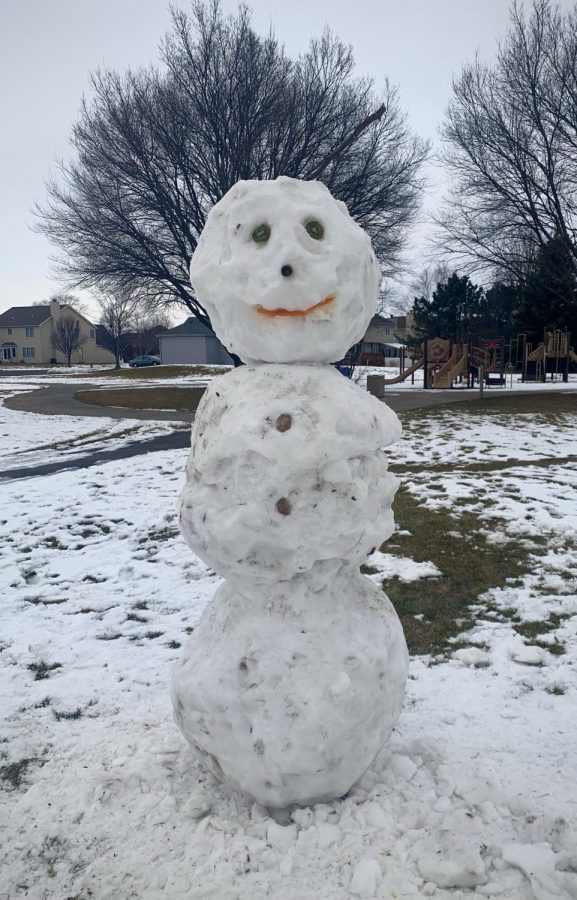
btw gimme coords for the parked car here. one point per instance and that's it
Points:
(139, 361)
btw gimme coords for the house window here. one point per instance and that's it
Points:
(9, 330)
(92, 334)
(29, 352)
(29, 332)
(387, 330)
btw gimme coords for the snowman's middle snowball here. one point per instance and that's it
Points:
(287, 470)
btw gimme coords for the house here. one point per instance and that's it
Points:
(192, 342)
(26, 332)
(384, 341)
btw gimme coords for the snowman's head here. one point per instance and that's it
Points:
(285, 273)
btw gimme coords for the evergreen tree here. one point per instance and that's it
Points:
(549, 296)
(498, 311)
(452, 312)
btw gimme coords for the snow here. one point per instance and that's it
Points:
(366, 876)
(472, 656)
(321, 305)
(113, 805)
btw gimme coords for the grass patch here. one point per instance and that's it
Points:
(53, 543)
(43, 669)
(155, 373)
(531, 630)
(13, 775)
(469, 566)
(556, 689)
(70, 714)
(183, 399)
(556, 647)
(542, 403)
(45, 601)
(164, 533)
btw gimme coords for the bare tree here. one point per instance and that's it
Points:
(66, 337)
(65, 299)
(425, 282)
(117, 318)
(153, 151)
(511, 147)
(146, 327)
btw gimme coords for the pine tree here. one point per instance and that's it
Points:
(549, 295)
(453, 312)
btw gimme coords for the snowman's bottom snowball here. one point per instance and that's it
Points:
(290, 693)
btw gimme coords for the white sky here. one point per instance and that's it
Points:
(49, 47)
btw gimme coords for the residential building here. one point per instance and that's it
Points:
(384, 341)
(26, 337)
(192, 342)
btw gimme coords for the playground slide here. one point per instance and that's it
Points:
(450, 371)
(537, 354)
(406, 374)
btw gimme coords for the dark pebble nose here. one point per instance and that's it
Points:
(286, 271)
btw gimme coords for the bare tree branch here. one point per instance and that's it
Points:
(155, 149)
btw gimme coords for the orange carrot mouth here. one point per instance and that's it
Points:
(293, 313)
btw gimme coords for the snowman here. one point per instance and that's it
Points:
(295, 674)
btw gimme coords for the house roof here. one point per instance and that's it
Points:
(25, 316)
(379, 320)
(191, 326)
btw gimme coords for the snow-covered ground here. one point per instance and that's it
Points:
(475, 794)
(29, 440)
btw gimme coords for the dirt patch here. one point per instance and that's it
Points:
(178, 398)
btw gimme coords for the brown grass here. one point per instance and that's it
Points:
(184, 399)
(155, 372)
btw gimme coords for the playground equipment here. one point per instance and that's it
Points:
(444, 362)
(554, 357)
(406, 374)
(452, 369)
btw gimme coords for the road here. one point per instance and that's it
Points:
(59, 400)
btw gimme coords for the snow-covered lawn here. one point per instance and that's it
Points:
(475, 794)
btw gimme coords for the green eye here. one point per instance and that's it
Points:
(315, 229)
(261, 234)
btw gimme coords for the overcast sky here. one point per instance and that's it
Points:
(49, 47)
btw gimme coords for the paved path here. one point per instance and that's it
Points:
(176, 440)
(59, 400)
